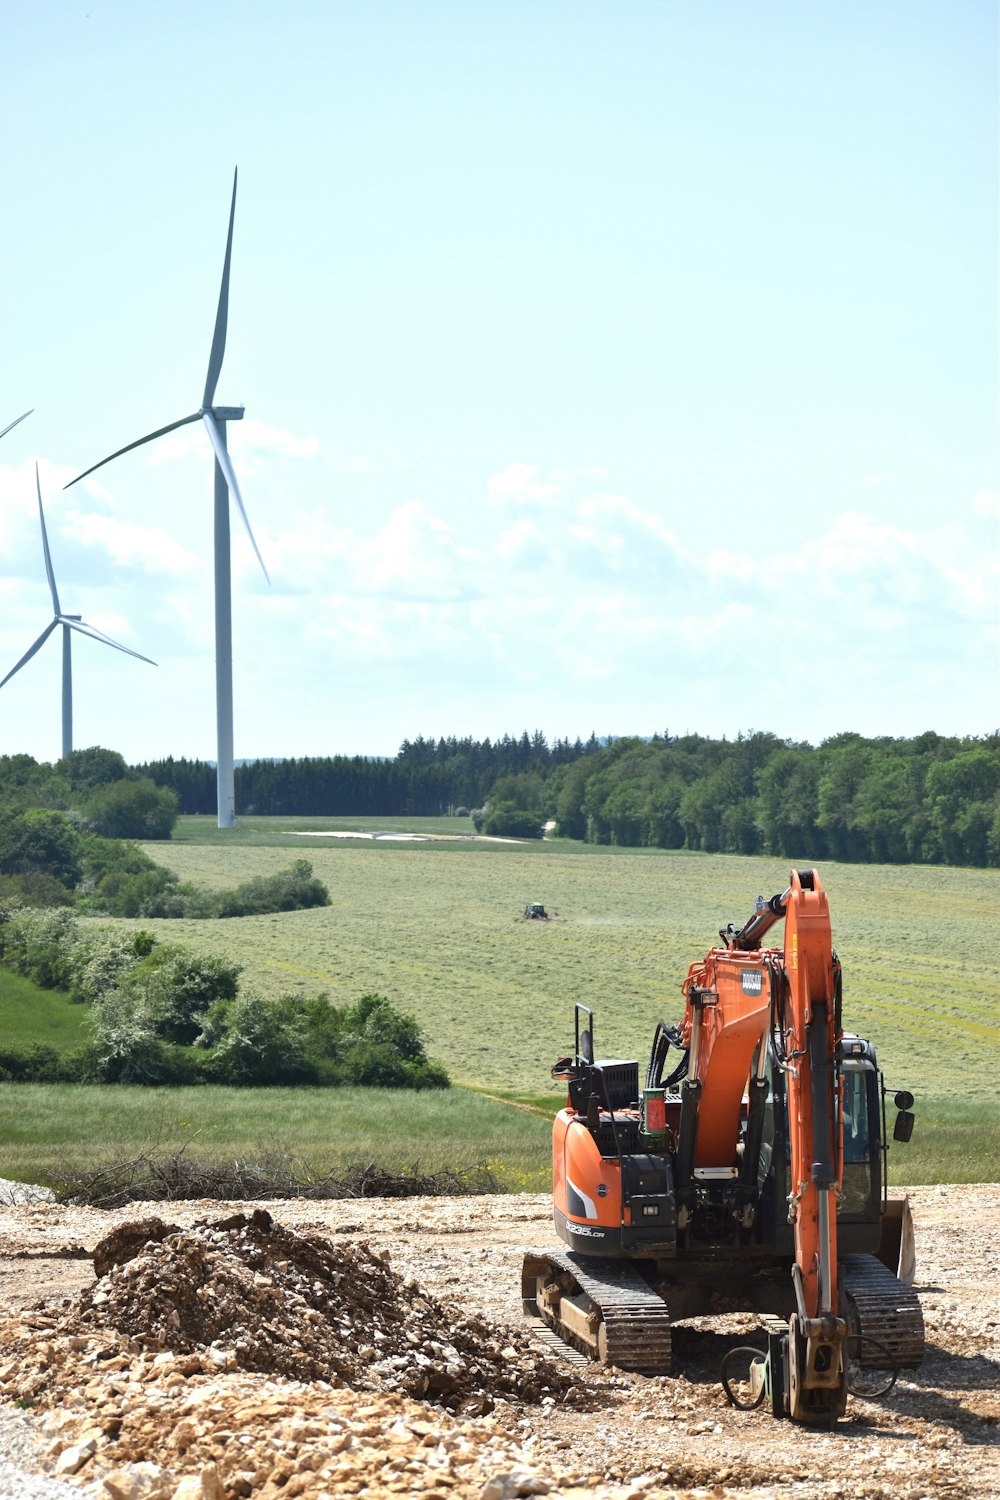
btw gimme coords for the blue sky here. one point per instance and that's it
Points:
(616, 367)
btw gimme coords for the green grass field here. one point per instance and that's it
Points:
(436, 927)
(31, 1015)
(49, 1131)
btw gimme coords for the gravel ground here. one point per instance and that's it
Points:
(127, 1414)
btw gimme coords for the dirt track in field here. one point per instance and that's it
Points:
(144, 1389)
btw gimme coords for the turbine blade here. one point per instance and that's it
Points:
(11, 425)
(222, 458)
(171, 427)
(222, 314)
(45, 548)
(30, 653)
(98, 635)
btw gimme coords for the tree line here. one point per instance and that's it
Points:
(426, 778)
(932, 799)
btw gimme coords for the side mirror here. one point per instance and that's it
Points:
(903, 1128)
(586, 1046)
(904, 1099)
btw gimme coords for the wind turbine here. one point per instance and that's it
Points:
(226, 484)
(69, 623)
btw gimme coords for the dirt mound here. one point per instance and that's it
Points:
(257, 1296)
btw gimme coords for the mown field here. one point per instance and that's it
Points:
(437, 927)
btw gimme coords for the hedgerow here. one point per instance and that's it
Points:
(160, 1014)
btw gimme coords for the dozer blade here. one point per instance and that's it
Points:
(897, 1249)
(601, 1308)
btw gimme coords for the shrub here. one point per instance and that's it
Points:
(178, 987)
(131, 810)
(126, 1048)
(264, 1043)
(42, 945)
(104, 959)
(294, 889)
(34, 888)
(41, 840)
(33, 1064)
(505, 821)
(381, 1047)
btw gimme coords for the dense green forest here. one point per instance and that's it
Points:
(425, 779)
(934, 799)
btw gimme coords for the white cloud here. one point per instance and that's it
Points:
(127, 545)
(519, 484)
(415, 556)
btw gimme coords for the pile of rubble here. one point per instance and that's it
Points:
(238, 1357)
(246, 1293)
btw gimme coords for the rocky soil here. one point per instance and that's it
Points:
(208, 1352)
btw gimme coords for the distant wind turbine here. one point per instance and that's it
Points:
(69, 623)
(226, 484)
(11, 425)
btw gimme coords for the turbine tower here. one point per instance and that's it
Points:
(226, 484)
(69, 623)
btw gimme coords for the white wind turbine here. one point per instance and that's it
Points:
(69, 623)
(226, 484)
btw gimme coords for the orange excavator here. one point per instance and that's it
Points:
(749, 1177)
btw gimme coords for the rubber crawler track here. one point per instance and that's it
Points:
(636, 1320)
(886, 1309)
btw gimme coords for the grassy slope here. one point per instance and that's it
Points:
(29, 1015)
(436, 928)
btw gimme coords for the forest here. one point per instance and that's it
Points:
(932, 799)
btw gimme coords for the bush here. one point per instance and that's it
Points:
(34, 1064)
(294, 889)
(126, 1048)
(177, 988)
(41, 945)
(375, 1044)
(264, 1043)
(504, 821)
(40, 840)
(131, 810)
(163, 1015)
(104, 959)
(34, 888)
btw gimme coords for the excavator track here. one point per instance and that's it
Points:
(885, 1308)
(602, 1308)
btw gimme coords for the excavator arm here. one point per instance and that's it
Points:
(734, 998)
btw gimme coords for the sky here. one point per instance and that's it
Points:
(612, 366)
